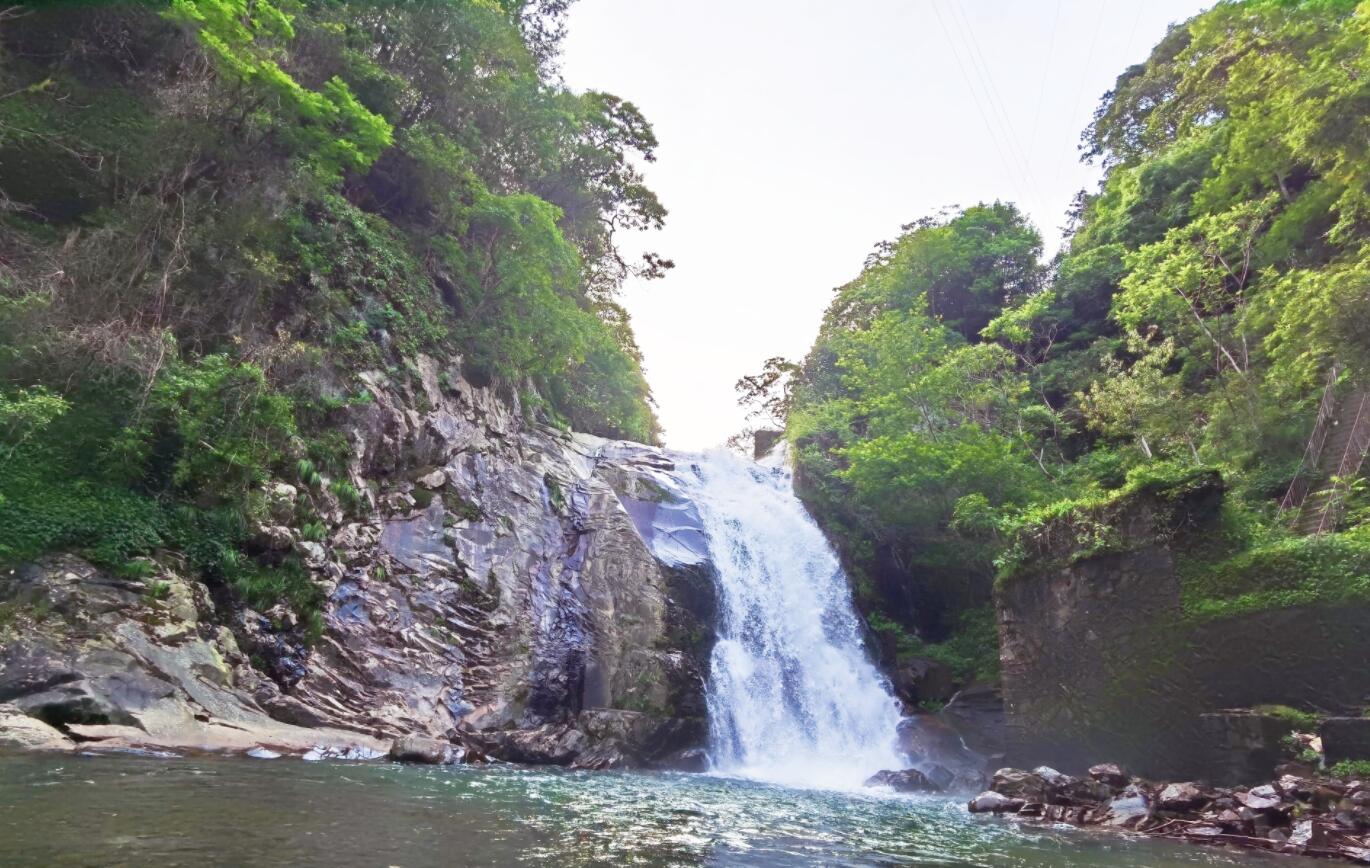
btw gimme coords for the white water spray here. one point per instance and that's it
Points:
(792, 696)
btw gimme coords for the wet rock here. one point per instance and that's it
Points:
(1128, 809)
(421, 750)
(693, 759)
(603, 757)
(990, 802)
(1109, 774)
(904, 781)
(976, 715)
(1295, 787)
(1018, 784)
(1231, 821)
(919, 679)
(552, 744)
(20, 731)
(1262, 798)
(928, 738)
(941, 777)
(764, 440)
(496, 604)
(1181, 797)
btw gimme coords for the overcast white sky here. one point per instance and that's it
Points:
(795, 134)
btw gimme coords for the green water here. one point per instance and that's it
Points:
(131, 810)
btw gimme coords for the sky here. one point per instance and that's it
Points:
(795, 134)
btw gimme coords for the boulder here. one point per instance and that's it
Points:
(280, 501)
(931, 739)
(921, 679)
(602, 757)
(1295, 787)
(940, 776)
(421, 750)
(691, 759)
(1109, 774)
(976, 715)
(275, 538)
(550, 744)
(905, 781)
(1184, 796)
(1128, 809)
(1018, 784)
(18, 730)
(990, 802)
(1262, 798)
(433, 480)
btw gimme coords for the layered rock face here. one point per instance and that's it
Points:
(541, 592)
(1100, 659)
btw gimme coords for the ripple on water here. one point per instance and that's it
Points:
(67, 810)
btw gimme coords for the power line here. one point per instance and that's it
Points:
(975, 97)
(1084, 78)
(996, 104)
(1046, 70)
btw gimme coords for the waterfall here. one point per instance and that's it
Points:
(792, 696)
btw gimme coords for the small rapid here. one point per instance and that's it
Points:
(792, 696)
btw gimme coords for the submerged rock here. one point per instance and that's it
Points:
(905, 781)
(425, 751)
(602, 757)
(692, 759)
(990, 802)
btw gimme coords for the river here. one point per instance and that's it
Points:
(136, 810)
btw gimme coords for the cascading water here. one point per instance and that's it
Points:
(792, 696)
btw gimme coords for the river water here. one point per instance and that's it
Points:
(134, 810)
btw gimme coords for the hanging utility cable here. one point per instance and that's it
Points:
(1010, 174)
(996, 104)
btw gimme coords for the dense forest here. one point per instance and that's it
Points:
(216, 214)
(965, 397)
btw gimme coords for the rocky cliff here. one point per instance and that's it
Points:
(543, 595)
(1104, 656)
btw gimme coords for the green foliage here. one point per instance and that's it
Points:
(967, 408)
(1303, 721)
(218, 213)
(228, 426)
(1351, 770)
(1293, 571)
(972, 652)
(555, 494)
(330, 126)
(1295, 749)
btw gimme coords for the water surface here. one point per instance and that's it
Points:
(132, 810)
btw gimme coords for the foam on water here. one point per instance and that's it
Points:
(793, 697)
